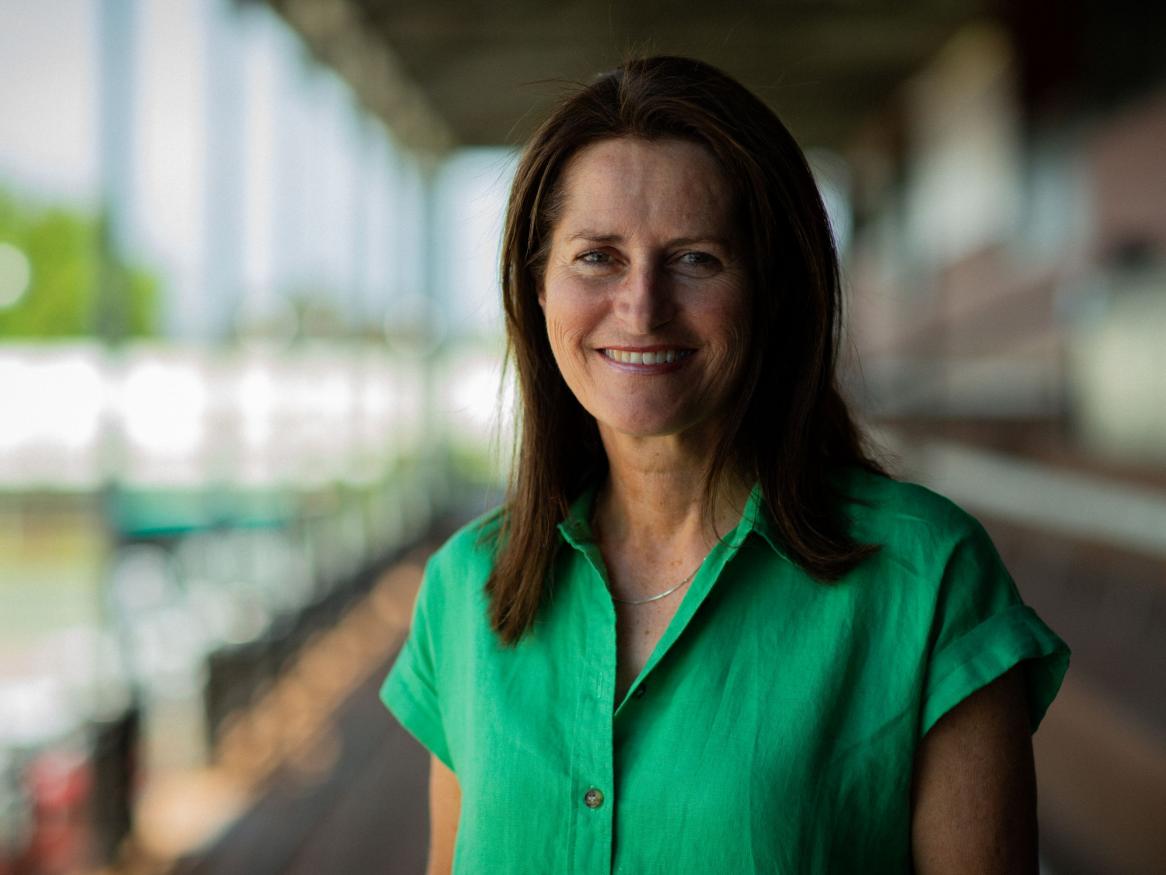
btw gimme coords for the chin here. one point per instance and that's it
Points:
(642, 427)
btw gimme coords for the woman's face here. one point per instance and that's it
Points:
(645, 293)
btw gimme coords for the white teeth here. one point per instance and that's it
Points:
(646, 358)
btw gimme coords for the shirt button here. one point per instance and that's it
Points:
(593, 798)
(639, 692)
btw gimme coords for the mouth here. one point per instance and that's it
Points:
(650, 358)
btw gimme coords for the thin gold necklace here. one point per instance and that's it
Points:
(658, 596)
(666, 592)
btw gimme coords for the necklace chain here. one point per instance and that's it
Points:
(666, 592)
(658, 596)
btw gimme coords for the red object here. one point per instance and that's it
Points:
(60, 784)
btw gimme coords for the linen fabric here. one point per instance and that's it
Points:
(772, 730)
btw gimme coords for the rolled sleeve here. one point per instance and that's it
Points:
(410, 691)
(982, 630)
(1016, 635)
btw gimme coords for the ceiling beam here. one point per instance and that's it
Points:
(335, 32)
(484, 71)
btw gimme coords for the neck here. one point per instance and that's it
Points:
(654, 495)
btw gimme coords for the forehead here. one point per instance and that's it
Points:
(632, 186)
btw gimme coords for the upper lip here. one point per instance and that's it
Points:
(659, 347)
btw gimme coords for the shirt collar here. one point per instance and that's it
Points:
(576, 526)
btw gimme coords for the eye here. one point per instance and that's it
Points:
(697, 263)
(598, 262)
(594, 256)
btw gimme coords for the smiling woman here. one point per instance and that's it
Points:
(708, 632)
(646, 304)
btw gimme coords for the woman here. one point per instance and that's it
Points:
(707, 633)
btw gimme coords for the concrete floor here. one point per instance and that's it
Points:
(365, 813)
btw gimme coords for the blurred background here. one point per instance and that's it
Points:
(250, 372)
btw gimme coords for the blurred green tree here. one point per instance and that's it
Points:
(61, 245)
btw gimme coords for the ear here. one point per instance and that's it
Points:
(542, 296)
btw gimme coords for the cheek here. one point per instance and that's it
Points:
(733, 337)
(738, 350)
(740, 328)
(569, 320)
(566, 338)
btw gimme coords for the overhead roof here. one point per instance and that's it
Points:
(483, 72)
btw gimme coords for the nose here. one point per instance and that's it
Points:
(644, 300)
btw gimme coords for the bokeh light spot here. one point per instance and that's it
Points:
(15, 275)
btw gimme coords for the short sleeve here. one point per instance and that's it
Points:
(981, 629)
(410, 691)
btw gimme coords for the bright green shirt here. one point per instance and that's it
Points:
(772, 730)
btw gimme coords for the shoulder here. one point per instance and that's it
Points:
(908, 520)
(471, 550)
(467, 556)
(896, 508)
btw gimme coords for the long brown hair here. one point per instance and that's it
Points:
(789, 426)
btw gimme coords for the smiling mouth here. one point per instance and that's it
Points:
(647, 357)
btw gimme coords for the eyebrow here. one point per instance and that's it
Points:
(598, 237)
(595, 237)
